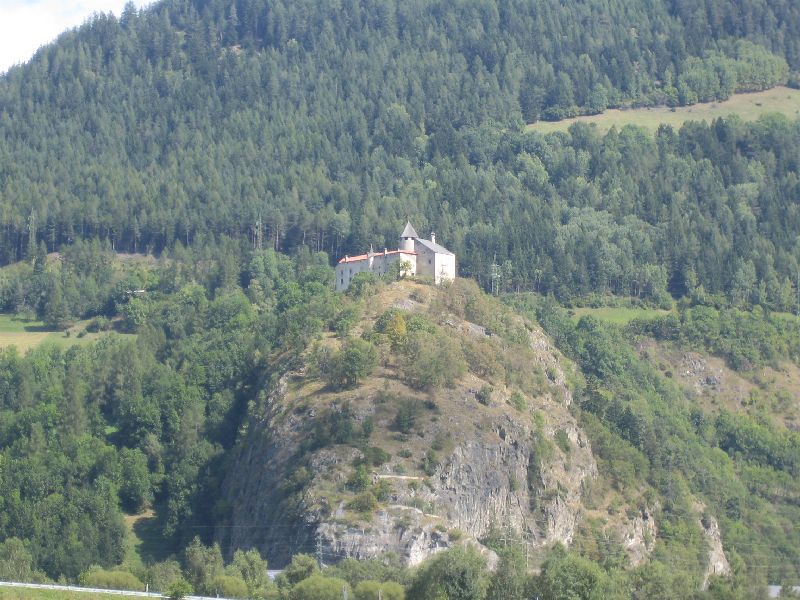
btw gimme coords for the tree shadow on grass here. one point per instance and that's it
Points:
(30, 324)
(152, 546)
(38, 329)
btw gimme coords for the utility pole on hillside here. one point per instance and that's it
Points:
(32, 235)
(797, 291)
(495, 275)
(258, 237)
(319, 549)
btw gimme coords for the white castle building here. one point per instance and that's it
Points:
(420, 257)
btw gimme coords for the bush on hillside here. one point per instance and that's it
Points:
(375, 590)
(230, 586)
(432, 360)
(98, 577)
(457, 574)
(179, 589)
(353, 362)
(318, 587)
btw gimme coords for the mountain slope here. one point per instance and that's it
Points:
(493, 450)
(330, 125)
(468, 425)
(399, 418)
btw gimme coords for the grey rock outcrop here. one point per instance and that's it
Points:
(639, 537)
(484, 484)
(718, 565)
(502, 470)
(264, 514)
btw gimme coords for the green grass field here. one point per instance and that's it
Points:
(617, 315)
(23, 594)
(29, 333)
(749, 107)
(146, 543)
(24, 334)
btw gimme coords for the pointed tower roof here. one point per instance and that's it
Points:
(409, 232)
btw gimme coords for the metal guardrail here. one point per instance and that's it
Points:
(75, 588)
(775, 591)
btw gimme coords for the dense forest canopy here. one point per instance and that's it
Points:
(240, 147)
(328, 125)
(129, 421)
(152, 421)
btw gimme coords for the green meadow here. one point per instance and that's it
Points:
(27, 333)
(749, 107)
(616, 314)
(26, 594)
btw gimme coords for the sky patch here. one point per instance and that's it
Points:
(27, 25)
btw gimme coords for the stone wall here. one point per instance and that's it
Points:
(379, 265)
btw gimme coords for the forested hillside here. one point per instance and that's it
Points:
(403, 407)
(175, 185)
(329, 125)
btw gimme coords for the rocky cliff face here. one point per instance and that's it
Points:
(264, 511)
(468, 469)
(639, 537)
(717, 565)
(482, 485)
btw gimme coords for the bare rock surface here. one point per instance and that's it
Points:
(283, 497)
(639, 537)
(718, 564)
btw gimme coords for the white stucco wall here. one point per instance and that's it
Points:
(346, 271)
(380, 265)
(445, 268)
(426, 261)
(434, 264)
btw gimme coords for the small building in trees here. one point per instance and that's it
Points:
(416, 256)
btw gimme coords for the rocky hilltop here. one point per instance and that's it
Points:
(460, 430)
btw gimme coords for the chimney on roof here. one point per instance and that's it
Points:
(433, 237)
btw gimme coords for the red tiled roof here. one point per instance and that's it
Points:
(348, 259)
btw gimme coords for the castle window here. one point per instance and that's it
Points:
(429, 261)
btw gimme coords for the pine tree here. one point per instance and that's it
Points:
(56, 314)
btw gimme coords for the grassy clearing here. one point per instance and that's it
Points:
(25, 333)
(749, 107)
(617, 315)
(23, 594)
(146, 543)
(22, 333)
(17, 324)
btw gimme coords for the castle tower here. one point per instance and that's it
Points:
(416, 256)
(407, 238)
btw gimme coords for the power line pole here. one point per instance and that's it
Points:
(797, 289)
(495, 275)
(527, 555)
(258, 234)
(32, 235)
(319, 549)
